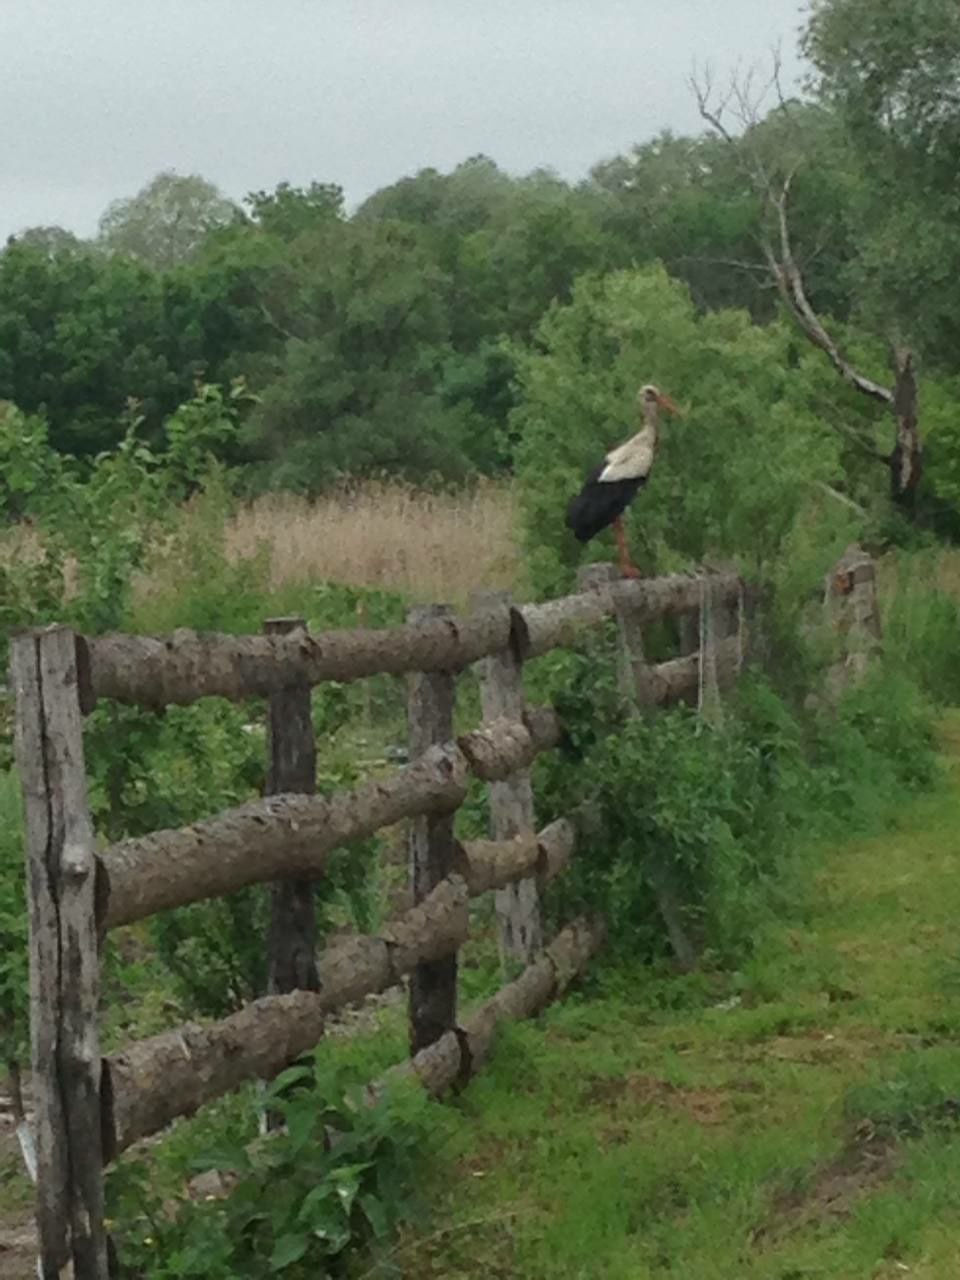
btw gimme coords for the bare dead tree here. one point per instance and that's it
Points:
(741, 102)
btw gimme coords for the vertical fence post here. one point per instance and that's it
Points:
(720, 623)
(511, 801)
(433, 983)
(853, 614)
(291, 766)
(632, 667)
(64, 955)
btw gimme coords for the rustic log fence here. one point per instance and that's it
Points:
(90, 1108)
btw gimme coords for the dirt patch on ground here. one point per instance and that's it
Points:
(706, 1104)
(832, 1188)
(18, 1237)
(18, 1250)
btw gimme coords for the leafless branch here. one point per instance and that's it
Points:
(840, 497)
(712, 113)
(776, 247)
(790, 283)
(781, 261)
(759, 268)
(275, 324)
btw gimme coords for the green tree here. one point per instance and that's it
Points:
(891, 73)
(361, 309)
(79, 335)
(734, 476)
(166, 221)
(288, 211)
(52, 241)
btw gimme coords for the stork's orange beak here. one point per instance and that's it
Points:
(665, 402)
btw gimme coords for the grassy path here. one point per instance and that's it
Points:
(801, 1121)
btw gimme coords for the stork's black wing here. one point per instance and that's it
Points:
(599, 503)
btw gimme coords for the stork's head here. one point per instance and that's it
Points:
(651, 398)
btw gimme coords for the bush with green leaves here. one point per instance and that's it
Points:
(751, 458)
(725, 810)
(149, 769)
(342, 1175)
(92, 522)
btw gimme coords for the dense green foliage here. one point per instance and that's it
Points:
(734, 475)
(889, 74)
(341, 1174)
(725, 811)
(390, 338)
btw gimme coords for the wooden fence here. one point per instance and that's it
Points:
(90, 1108)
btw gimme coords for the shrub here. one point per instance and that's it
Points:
(724, 812)
(340, 1176)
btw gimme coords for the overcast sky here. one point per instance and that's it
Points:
(97, 96)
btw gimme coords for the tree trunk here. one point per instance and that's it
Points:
(906, 458)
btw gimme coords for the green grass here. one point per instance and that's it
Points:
(796, 1119)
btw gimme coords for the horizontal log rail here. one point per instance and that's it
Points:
(557, 623)
(668, 682)
(179, 668)
(450, 1061)
(156, 671)
(291, 835)
(153, 1081)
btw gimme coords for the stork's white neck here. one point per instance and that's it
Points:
(648, 411)
(649, 433)
(634, 458)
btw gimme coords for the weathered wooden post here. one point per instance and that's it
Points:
(633, 671)
(433, 983)
(853, 613)
(64, 955)
(291, 766)
(635, 684)
(511, 801)
(721, 626)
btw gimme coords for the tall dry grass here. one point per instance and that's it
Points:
(429, 546)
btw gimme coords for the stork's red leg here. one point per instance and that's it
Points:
(626, 567)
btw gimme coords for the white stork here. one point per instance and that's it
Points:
(611, 487)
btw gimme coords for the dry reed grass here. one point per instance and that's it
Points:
(429, 546)
(20, 544)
